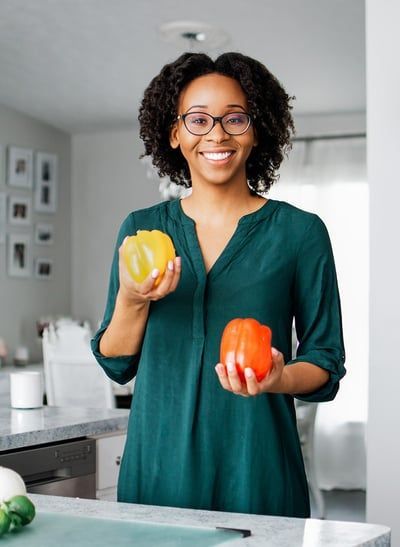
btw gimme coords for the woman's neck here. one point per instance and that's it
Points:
(219, 204)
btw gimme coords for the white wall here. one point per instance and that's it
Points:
(109, 181)
(24, 300)
(341, 123)
(383, 122)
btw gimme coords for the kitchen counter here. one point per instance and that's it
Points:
(23, 428)
(265, 531)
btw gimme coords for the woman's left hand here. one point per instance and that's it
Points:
(274, 381)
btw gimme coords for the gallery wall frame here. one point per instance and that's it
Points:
(44, 234)
(20, 167)
(43, 268)
(46, 182)
(19, 210)
(3, 217)
(19, 255)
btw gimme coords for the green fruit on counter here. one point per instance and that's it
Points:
(23, 507)
(5, 522)
(16, 522)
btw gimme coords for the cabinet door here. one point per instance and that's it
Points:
(109, 453)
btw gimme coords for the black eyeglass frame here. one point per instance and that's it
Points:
(216, 119)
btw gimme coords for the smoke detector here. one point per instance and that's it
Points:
(193, 35)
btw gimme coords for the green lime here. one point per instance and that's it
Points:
(5, 522)
(23, 507)
(16, 522)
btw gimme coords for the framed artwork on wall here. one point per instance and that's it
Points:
(3, 217)
(19, 211)
(20, 167)
(46, 179)
(43, 268)
(19, 255)
(44, 234)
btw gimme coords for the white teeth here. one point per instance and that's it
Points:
(217, 155)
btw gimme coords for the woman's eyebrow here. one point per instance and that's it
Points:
(206, 106)
(197, 106)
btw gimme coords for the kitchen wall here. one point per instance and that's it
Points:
(383, 107)
(108, 182)
(24, 300)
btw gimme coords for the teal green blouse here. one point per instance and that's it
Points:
(190, 443)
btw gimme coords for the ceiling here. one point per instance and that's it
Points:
(82, 65)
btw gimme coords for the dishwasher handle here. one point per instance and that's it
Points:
(48, 476)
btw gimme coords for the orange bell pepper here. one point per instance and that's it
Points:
(145, 251)
(247, 343)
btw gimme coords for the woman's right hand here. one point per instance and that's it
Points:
(135, 293)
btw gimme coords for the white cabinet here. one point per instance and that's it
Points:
(109, 449)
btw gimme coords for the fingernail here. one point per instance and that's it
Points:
(170, 265)
(248, 372)
(220, 369)
(274, 351)
(230, 367)
(178, 260)
(155, 273)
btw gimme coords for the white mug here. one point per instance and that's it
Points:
(26, 389)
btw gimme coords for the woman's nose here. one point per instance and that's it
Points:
(217, 133)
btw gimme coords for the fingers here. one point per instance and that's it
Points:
(169, 280)
(147, 285)
(253, 386)
(177, 273)
(147, 290)
(277, 358)
(222, 376)
(229, 379)
(272, 382)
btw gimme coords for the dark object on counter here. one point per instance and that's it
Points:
(123, 401)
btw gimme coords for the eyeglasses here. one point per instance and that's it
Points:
(200, 123)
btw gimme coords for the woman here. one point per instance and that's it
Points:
(197, 436)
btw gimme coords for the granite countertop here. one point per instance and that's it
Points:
(265, 531)
(23, 428)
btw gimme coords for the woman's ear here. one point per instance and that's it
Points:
(173, 136)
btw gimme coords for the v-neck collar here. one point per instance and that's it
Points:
(233, 245)
(177, 212)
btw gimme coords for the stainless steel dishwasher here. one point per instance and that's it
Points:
(66, 468)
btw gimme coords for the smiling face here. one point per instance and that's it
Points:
(215, 158)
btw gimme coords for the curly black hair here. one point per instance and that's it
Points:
(269, 106)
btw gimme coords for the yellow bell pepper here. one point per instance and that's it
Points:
(146, 251)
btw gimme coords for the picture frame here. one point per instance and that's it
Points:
(44, 234)
(43, 268)
(46, 182)
(19, 210)
(20, 167)
(19, 255)
(3, 217)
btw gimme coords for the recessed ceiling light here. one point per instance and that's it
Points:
(193, 34)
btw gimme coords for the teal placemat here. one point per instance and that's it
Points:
(58, 530)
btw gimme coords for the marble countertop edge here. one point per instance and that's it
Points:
(266, 530)
(29, 428)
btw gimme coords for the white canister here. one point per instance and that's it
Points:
(26, 389)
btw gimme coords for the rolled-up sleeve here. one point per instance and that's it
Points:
(123, 368)
(317, 311)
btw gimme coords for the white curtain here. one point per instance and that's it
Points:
(329, 177)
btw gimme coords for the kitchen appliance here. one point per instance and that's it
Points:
(65, 468)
